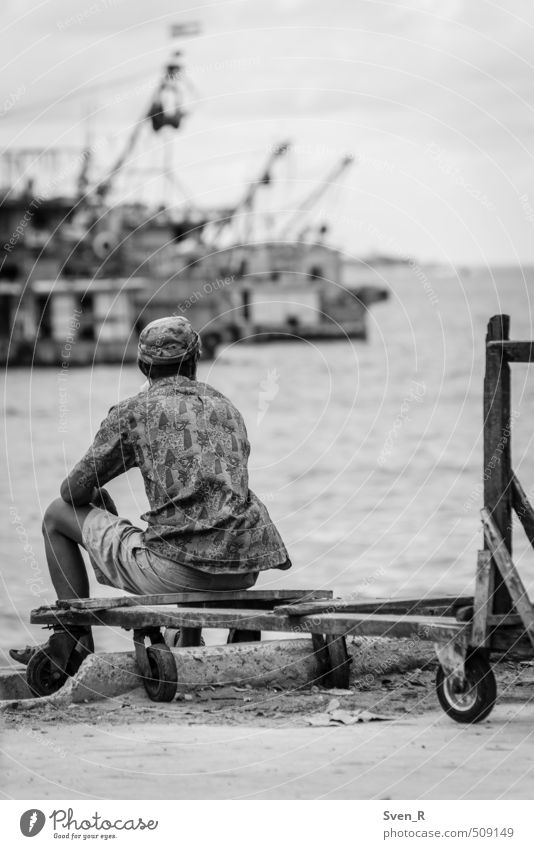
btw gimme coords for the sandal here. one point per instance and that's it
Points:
(51, 665)
(24, 655)
(82, 639)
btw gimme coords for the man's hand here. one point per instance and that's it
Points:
(102, 499)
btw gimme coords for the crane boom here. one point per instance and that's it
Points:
(317, 193)
(104, 186)
(248, 198)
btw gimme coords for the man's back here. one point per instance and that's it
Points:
(191, 446)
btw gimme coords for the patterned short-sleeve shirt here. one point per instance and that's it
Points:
(190, 444)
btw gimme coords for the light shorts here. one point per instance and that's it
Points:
(120, 559)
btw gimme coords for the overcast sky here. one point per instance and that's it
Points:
(435, 99)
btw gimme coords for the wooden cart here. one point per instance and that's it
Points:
(466, 632)
(245, 615)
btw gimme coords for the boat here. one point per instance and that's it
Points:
(85, 268)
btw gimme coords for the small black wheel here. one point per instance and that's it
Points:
(172, 635)
(178, 638)
(339, 662)
(43, 675)
(163, 681)
(476, 699)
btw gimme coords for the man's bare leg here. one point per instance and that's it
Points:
(62, 531)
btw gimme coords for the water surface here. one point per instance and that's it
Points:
(368, 455)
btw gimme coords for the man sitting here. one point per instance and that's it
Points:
(206, 529)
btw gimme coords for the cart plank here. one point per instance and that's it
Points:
(523, 508)
(442, 606)
(497, 447)
(483, 600)
(515, 351)
(433, 628)
(509, 573)
(190, 598)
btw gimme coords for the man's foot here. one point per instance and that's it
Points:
(83, 646)
(23, 655)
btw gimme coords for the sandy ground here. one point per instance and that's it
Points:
(228, 743)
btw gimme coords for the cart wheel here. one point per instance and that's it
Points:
(339, 661)
(161, 686)
(473, 702)
(174, 637)
(43, 675)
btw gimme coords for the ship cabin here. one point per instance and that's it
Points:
(289, 291)
(86, 321)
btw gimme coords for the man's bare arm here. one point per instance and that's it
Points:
(76, 492)
(110, 455)
(99, 497)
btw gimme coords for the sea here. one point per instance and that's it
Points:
(368, 455)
